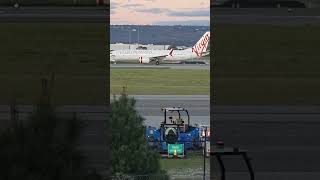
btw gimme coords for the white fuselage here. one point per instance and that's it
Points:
(176, 55)
(127, 54)
(147, 56)
(181, 55)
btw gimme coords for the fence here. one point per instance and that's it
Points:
(162, 177)
(92, 139)
(82, 112)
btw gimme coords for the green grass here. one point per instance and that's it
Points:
(266, 65)
(192, 161)
(255, 64)
(204, 58)
(75, 52)
(160, 81)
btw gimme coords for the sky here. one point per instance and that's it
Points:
(160, 12)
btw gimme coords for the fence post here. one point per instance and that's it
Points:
(74, 115)
(13, 113)
(204, 153)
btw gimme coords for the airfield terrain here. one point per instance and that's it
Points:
(32, 51)
(266, 92)
(72, 57)
(264, 75)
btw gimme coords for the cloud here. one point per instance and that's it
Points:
(114, 5)
(184, 23)
(192, 13)
(161, 12)
(152, 10)
(131, 5)
(185, 13)
(181, 13)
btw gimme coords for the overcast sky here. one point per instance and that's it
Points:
(160, 12)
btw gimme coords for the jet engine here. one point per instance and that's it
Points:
(171, 135)
(143, 60)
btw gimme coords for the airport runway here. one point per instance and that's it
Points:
(283, 141)
(150, 106)
(161, 66)
(265, 16)
(54, 14)
(218, 15)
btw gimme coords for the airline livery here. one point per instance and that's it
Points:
(156, 56)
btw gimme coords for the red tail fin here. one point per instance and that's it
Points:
(171, 51)
(202, 44)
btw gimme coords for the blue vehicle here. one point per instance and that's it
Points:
(174, 129)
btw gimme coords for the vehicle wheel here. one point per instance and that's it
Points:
(194, 144)
(157, 62)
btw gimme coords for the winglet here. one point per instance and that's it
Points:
(171, 51)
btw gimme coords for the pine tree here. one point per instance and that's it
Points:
(130, 152)
(42, 147)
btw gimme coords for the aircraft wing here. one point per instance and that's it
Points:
(206, 53)
(159, 58)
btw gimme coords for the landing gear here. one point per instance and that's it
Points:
(157, 62)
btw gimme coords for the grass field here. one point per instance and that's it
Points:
(74, 52)
(160, 81)
(254, 64)
(266, 65)
(191, 165)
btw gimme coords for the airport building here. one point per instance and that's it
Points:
(119, 46)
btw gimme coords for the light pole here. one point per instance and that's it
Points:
(129, 38)
(134, 30)
(138, 35)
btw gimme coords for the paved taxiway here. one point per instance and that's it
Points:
(54, 14)
(161, 66)
(283, 141)
(218, 15)
(265, 16)
(149, 106)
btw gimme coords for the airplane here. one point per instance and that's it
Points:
(156, 56)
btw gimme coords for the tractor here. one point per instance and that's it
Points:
(176, 131)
